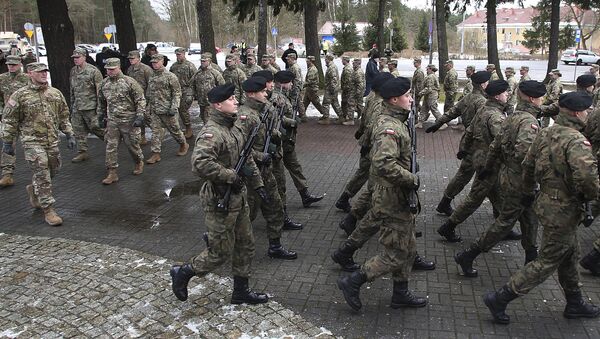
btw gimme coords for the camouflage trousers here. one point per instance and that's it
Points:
(417, 99)
(361, 203)
(44, 162)
(299, 95)
(449, 101)
(348, 106)
(230, 236)
(559, 250)
(430, 104)
(115, 132)
(204, 113)
(272, 212)
(84, 122)
(480, 189)
(365, 228)
(597, 244)
(360, 177)
(330, 99)
(7, 162)
(291, 163)
(461, 178)
(160, 122)
(184, 109)
(312, 97)
(359, 106)
(279, 174)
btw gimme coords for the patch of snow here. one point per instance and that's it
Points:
(133, 332)
(324, 331)
(193, 327)
(10, 333)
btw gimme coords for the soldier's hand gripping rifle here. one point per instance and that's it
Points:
(413, 200)
(223, 203)
(271, 126)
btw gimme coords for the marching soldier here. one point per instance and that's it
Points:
(11, 81)
(274, 62)
(554, 89)
(122, 104)
(85, 83)
(347, 117)
(417, 83)
(512, 89)
(330, 97)
(297, 86)
(383, 65)
(311, 86)
(492, 69)
(37, 112)
(184, 70)
(251, 66)
(430, 93)
(450, 85)
(393, 68)
(266, 64)
(524, 71)
(141, 73)
(358, 84)
(235, 76)
(213, 65)
(203, 81)
(469, 71)
(28, 58)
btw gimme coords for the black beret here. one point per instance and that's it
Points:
(575, 101)
(532, 88)
(394, 87)
(496, 87)
(586, 80)
(264, 74)
(283, 77)
(380, 79)
(480, 77)
(254, 84)
(220, 93)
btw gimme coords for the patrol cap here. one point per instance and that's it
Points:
(292, 55)
(383, 59)
(135, 54)
(157, 58)
(417, 59)
(78, 52)
(380, 79)
(13, 60)
(311, 58)
(29, 49)
(595, 66)
(180, 50)
(586, 80)
(251, 56)
(510, 69)
(220, 93)
(575, 101)
(532, 88)
(37, 67)
(470, 67)
(496, 87)
(230, 57)
(395, 87)
(490, 66)
(265, 57)
(345, 58)
(254, 84)
(205, 57)
(329, 57)
(433, 67)
(525, 68)
(112, 63)
(283, 77)
(481, 77)
(357, 61)
(393, 62)
(449, 62)
(555, 71)
(268, 75)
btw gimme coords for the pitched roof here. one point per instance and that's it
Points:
(523, 16)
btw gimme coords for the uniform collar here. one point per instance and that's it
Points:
(222, 118)
(566, 120)
(526, 106)
(395, 111)
(254, 104)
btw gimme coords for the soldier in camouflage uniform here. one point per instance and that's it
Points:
(508, 151)
(430, 93)
(561, 161)
(274, 63)
(122, 104)
(235, 76)
(383, 65)
(85, 81)
(163, 97)
(492, 69)
(141, 73)
(469, 71)
(296, 93)
(311, 86)
(554, 89)
(184, 70)
(251, 66)
(524, 71)
(9, 83)
(217, 151)
(393, 68)
(358, 85)
(450, 85)
(28, 58)
(417, 84)
(203, 81)
(213, 65)
(347, 92)
(392, 183)
(266, 64)
(36, 113)
(330, 97)
(512, 89)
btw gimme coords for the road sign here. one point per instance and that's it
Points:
(106, 30)
(108, 36)
(577, 35)
(112, 29)
(28, 26)
(29, 33)
(274, 31)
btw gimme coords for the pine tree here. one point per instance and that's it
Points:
(422, 39)
(346, 37)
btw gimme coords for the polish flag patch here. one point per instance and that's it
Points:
(587, 143)
(390, 131)
(243, 117)
(535, 127)
(207, 136)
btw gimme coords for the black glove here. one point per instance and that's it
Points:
(276, 138)
(433, 128)
(461, 154)
(138, 122)
(484, 174)
(172, 112)
(266, 159)
(71, 143)
(364, 150)
(8, 148)
(246, 171)
(264, 196)
(527, 200)
(238, 184)
(358, 134)
(102, 121)
(272, 149)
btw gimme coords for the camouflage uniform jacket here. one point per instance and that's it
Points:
(215, 155)
(9, 83)
(396, 73)
(372, 110)
(298, 84)
(288, 124)
(451, 81)
(553, 91)
(276, 66)
(163, 93)
(346, 80)
(249, 70)
(418, 81)
(494, 76)
(140, 73)
(216, 67)
(27, 59)
(431, 86)
(85, 83)
(121, 99)
(331, 79)
(37, 113)
(234, 75)
(184, 70)
(484, 128)
(203, 81)
(592, 130)
(358, 82)
(311, 82)
(512, 89)
(466, 108)
(525, 77)
(270, 68)
(468, 87)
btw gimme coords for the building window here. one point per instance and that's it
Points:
(518, 30)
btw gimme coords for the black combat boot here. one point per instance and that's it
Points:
(180, 276)
(447, 231)
(288, 223)
(243, 295)
(403, 297)
(530, 255)
(420, 264)
(350, 286)
(277, 251)
(496, 302)
(343, 257)
(465, 260)
(343, 202)
(205, 238)
(348, 224)
(591, 262)
(513, 235)
(444, 206)
(578, 308)
(309, 199)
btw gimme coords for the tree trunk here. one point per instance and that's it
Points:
(205, 27)
(440, 20)
(554, 34)
(492, 36)
(379, 25)
(262, 29)
(59, 38)
(124, 23)
(311, 34)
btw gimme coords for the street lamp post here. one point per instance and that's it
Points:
(389, 21)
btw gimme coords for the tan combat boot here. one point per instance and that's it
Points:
(444, 126)
(188, 132)
(143, 141)
(139, 168)
(183, 148)
(111, 177)
(82, 156)
(324, 121)
(33, 200)
(154, 158)
(349, 122)
(7, 180)
(51, 217)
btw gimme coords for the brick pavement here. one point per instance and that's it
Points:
(135, 214)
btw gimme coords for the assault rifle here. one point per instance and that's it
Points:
(223, 203)
(269, 130)
(413, 200)
(589, 216)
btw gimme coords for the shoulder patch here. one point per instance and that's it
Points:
(11, 102)
(535, 127)
(389, 131)
(243, 117)
(206, 136)
(587, 143)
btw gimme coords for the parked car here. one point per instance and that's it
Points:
(195, 48)
(114, 47)
(165, 47)
(300, 49)
(41, 50)
(580, 57)
(88, 47)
